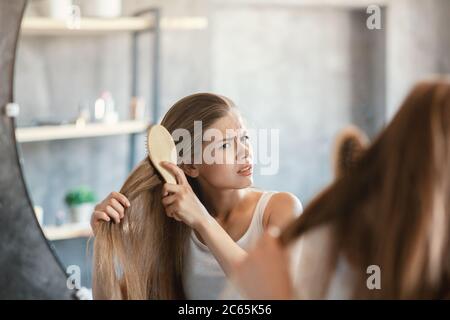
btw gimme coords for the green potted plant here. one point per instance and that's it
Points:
(80, 201)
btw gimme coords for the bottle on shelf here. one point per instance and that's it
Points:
(104, 109)
(84, 116)
(137, 108)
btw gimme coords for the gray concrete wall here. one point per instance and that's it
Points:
(305, 71)
(418, 44)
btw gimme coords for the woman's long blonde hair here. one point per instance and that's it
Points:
(143, 256)
(393, 208)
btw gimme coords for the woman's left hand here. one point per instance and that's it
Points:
(180, 201)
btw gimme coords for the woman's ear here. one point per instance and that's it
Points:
(190, 170)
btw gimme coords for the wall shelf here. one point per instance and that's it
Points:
(68, 231)
(62, 132)
(346, 4)
(140, 26)
(49, 26)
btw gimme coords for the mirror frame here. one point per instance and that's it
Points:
(29, 267)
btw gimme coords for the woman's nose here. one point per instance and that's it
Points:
(243, 150)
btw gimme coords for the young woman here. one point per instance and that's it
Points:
(181, 240)
(380, 231)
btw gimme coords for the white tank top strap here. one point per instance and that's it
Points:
(256, 228)
(203, 277)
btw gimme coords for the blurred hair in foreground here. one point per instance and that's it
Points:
(349, 146)
(393, 208)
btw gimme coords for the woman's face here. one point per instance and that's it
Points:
(227, 155)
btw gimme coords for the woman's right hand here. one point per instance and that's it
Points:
(111, 208)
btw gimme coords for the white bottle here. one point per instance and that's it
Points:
(102, 8)
(111, 115)
(56, 9)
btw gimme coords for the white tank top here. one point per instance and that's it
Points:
(203, 276)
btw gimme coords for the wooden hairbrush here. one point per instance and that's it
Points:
(161, 147)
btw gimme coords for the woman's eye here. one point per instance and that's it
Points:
(245, 138)
(225, 145)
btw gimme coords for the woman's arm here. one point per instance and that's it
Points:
(183, 205)
(283, 208)
(227, 252)
(265, 273)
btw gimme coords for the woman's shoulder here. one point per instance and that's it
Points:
(277, 197)
(284, 198)
(281, 208)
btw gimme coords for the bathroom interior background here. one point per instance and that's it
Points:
(307, 68)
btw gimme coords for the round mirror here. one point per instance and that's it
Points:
(85, 81)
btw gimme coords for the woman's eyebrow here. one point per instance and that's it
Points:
(241, 133)
(227, 139)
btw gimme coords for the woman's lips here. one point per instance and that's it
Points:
(245, 171)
